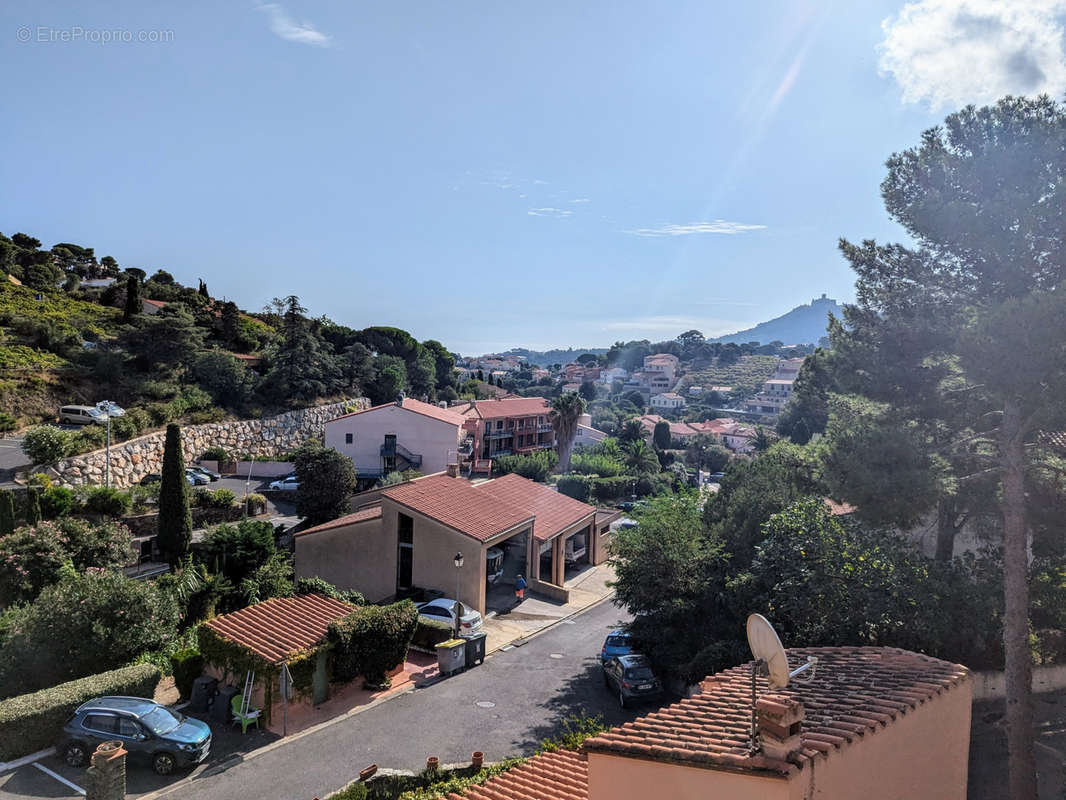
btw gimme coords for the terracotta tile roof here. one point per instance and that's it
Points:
(838, 509)
(457, 504)
(554, 511)
(506, 407)
(562, 775)
(856, 691)
(275, 628)
(156, 303)
(418, 407)
(1053, 439)
(362, 515)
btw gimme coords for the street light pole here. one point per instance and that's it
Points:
(107, 463)
(458, 566)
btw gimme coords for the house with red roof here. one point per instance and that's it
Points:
(506, 426)
(411, 536)
(405, 434)
(875, 723)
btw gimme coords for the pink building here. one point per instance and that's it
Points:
(507, 426)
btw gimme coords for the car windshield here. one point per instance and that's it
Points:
(618, 640)
(161, 720)
(640, 673)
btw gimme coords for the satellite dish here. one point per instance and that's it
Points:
(766, 646)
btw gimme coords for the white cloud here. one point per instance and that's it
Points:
(714, 226)
(955, 52)
(289, 29)
(581, 200)
(539, 182)
(548, 212)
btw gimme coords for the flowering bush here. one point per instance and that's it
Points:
(30, 559)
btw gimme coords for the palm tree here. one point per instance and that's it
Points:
(632, 430)
(565, 412)
(641, 458)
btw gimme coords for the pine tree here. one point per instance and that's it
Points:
(133, 299)
(33, 506)
(7, 512)
(175, 520)
(203, 291)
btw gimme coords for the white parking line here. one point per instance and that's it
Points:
(60, 778)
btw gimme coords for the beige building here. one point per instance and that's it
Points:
(410, 538)
(407, 434)
(875, 723)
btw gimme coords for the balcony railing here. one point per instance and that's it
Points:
(499, 434)
(545, 428)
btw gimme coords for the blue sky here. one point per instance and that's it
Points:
(493, 174)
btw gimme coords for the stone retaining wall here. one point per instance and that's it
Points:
(132, 460)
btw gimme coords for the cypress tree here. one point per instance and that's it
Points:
(133, 299)
(175, 520)
(7, 512)
(33, 506)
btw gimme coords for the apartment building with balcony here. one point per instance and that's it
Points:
(777, 390)
(505, 426)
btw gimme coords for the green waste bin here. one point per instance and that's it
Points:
(451, 656)
(475, 648)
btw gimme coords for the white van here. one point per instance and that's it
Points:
(575, 547)
(80, 415)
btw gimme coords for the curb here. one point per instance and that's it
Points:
(217, 769)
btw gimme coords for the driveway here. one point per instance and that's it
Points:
(11, 458)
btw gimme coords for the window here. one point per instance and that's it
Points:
(103, 723)
(406, 529)
(127, 727)
(405, 551)
(348, 437)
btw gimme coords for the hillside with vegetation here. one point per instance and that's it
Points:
(75, 329)
(805, 324)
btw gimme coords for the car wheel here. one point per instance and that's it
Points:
(621, 699)
(75, 754)
(163, 763)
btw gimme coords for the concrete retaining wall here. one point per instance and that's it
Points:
(132, 460)
(992, 685)
(260, 469)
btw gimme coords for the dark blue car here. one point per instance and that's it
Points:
(145, 728)
(616, 644)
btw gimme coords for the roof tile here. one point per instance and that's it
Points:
(554, 511)
(362, 515)
(416, 406)
(457, 504)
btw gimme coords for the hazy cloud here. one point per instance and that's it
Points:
(581, 200)
(954, 52)
(720, 226)
(548, 212)
(289, 29)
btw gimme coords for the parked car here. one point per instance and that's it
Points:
(493, 564)
(195, 478)
(632, 678)
(145, 728)
(150, 478)
(625, 506)
(575, 549)
(211, 475)
(617, 643)
(287, 484)
(716, 476)
(443, 610)
(81, 415)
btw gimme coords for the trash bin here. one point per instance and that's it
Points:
(451, 656)
(221, 710)
(203, 689)
(475, 648)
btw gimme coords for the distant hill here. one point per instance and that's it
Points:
(546, 357)
(804, 324)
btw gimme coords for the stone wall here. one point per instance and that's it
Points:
(132, 460)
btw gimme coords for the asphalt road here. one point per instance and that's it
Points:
(11, 458)
(524, 694)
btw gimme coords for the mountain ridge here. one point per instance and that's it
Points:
(804, 324)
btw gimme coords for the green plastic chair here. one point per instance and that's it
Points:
(246, 717)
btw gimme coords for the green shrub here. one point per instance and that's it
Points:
(187, 665)
(42, 480)
(318, 586)
(109, 501)
(608, 489)
(30, 722)
(7, 421)
(47, 443)
(32, 511)
(353, 791)
(371, 641)
(536, 466)
(595, 464)
(216, 453)
(220, 498)
(90, 437)
(58, 502)
(575, 486)
(431, 632)
(7, 512)
(256, 503)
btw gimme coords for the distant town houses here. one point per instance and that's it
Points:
(776, 391)
(586, 434)
(669, 401)
(734, 435)
(612, 374)
(502, 427)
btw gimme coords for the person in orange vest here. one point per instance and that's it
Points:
(519, 589)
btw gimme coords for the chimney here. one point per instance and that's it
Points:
(779, 719)
(400, 399)
(453, 470)
(106, 778)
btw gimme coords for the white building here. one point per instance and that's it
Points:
(776, 391)
(407, 434)
(668, 400)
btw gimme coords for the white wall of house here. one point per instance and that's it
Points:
(435, 440)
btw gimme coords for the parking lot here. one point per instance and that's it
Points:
(51, 777)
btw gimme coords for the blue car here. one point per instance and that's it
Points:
(145, 728)
(616, 644)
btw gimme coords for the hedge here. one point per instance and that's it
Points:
(31, 722)
(187, 665)
(431, 632)
(371, 641)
